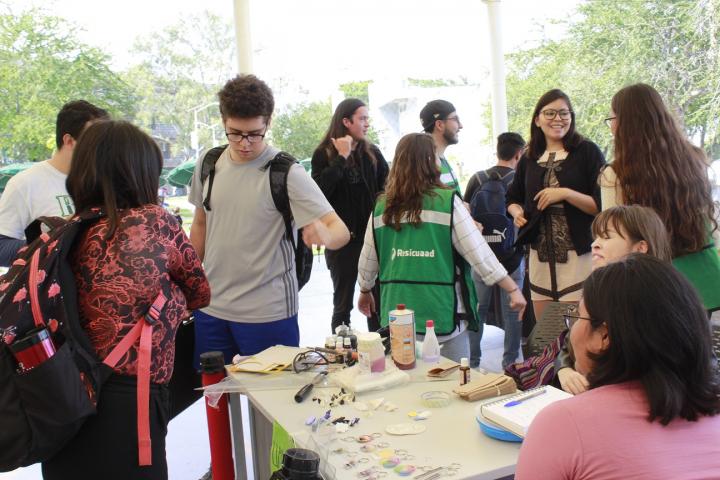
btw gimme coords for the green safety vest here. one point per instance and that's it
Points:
(418, 266)
(702, 269)
(447, 176)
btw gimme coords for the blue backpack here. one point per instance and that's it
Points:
(487, 206)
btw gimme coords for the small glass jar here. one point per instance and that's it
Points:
(371, 353)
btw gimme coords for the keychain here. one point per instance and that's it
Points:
(371, 473)
(352, 463)
(363, 438)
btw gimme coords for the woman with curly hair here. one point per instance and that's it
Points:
(415, 237)
(655, 165)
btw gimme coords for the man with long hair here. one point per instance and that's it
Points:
(240, 234)
(40, 190)
(351, 172)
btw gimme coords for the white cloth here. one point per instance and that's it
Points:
(36, 192)
(249, 261)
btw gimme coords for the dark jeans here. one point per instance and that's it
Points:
(106, 446)
(343, 265)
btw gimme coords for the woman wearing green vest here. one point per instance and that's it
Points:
(656, 166)
(416, 237)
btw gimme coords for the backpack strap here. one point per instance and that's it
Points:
(279, 168)
(34, 230)
(208, 170)
(142, 330)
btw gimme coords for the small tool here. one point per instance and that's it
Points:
(304, 391)
(520, 400)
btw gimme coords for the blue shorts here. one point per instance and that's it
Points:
(232, 338)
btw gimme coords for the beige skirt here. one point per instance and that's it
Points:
(569, 277)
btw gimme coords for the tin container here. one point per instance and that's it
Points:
(33, 349)
(402, 337)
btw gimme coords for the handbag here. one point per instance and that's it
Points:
(185, 378)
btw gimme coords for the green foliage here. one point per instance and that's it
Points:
(357, 90)
(670, 44)
(42, 66)
(300, 128)
(183, 67)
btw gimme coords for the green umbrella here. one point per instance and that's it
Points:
(163, 175)
(9, 171)
(181, 176)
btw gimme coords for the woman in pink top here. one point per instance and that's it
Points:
(643, 341)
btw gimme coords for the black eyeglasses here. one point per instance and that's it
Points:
(550, 113)
(608, 121)
(250, 137)
(457, 119)
(571, 318)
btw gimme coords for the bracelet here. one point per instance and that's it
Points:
(365, 291)
(511, 291)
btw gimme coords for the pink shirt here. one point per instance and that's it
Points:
(604, 434)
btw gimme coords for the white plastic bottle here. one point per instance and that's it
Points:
(430, 346)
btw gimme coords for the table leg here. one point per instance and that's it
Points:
(261, 438)
(238, 435)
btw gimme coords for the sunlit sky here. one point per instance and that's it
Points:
(315, 40)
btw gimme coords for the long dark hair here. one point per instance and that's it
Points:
(658, 167)
(345, 109)
(114, 166)
(658, 333)
(414, 173)
(537, 143)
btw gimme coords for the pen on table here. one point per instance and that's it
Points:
(518, 401)
(304, 391)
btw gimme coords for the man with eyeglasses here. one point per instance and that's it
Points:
(240, 235)
(440, 120)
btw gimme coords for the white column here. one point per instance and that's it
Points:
(497, 67)
(243, 39)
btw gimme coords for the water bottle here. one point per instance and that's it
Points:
(430, 345)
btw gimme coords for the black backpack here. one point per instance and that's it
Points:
(487, 206)
(42, 408)
(279, 167)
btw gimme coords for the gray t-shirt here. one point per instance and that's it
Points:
(249, 261)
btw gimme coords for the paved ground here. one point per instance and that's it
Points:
(188, 453)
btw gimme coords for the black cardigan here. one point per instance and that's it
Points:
(351, 194)
(579, 172)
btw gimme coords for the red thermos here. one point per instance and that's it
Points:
(212, 366)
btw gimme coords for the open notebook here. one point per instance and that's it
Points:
(517, 418)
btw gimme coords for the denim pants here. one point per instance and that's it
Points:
(512, 323)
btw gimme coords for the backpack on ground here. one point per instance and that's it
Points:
(487, 206)
(279, 167)
(43, 407)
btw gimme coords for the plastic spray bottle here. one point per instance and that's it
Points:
(430, 345)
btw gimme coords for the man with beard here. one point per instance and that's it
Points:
(440, 120)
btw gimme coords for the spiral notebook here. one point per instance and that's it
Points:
(517, 418)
